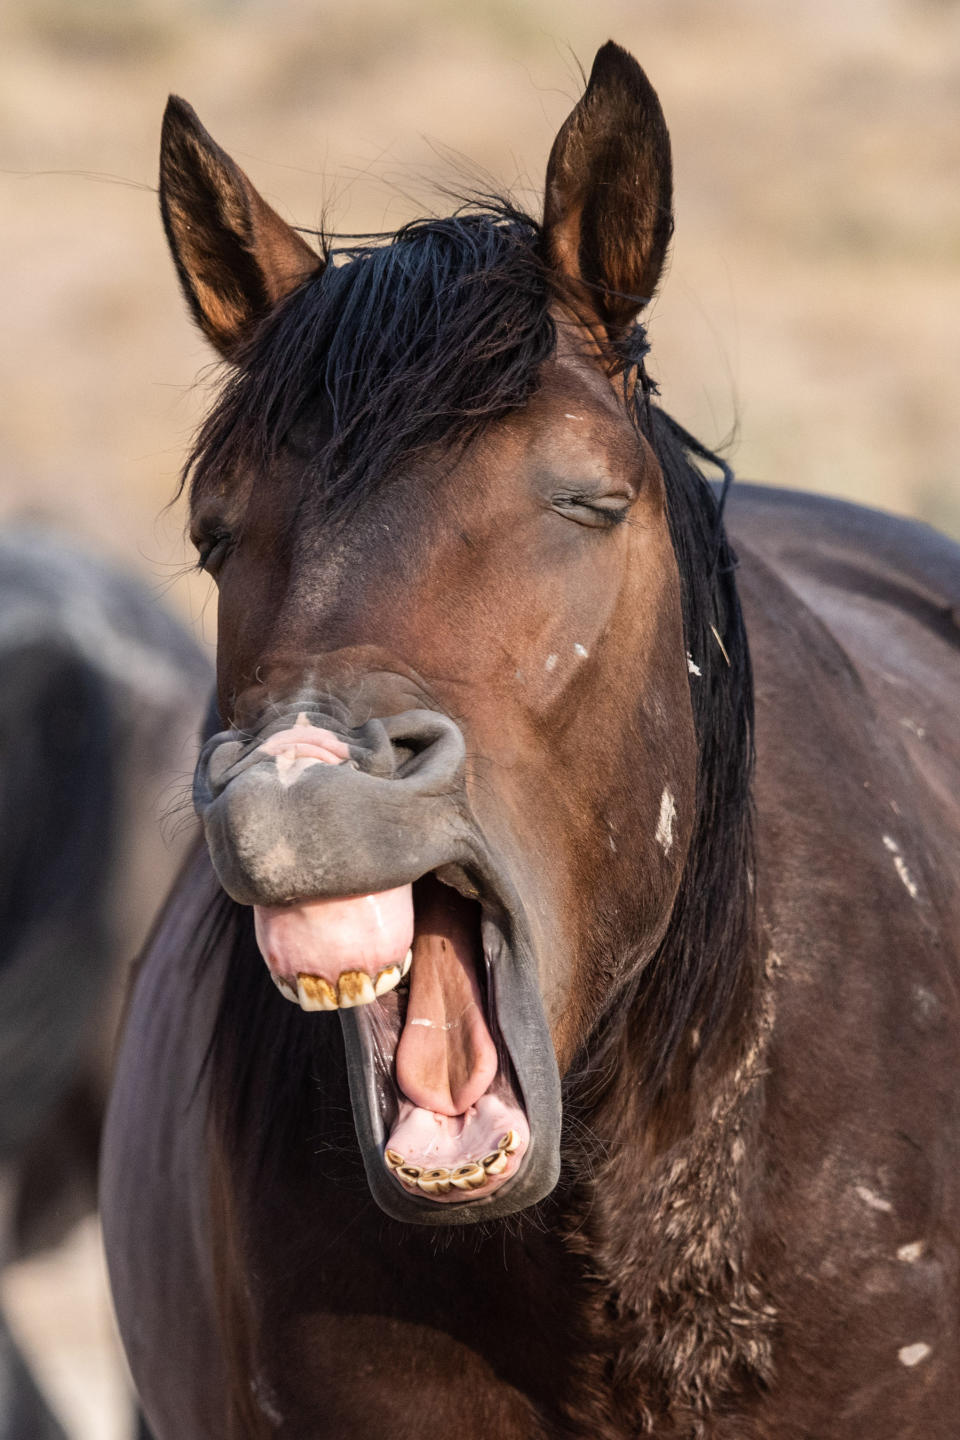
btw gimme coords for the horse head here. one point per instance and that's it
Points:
(458, 774)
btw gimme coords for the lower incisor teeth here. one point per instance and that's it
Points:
(468, 1177)
(407, 962)
(438, 1181)
(510, 1142)
(435, 1182)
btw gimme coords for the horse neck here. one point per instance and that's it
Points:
(663, 1213)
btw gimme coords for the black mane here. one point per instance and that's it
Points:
(706, 952)
(420, 343)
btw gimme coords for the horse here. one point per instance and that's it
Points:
(557, 1033)
(101, 702)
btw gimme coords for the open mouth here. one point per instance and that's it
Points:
(411, 966)
(418, 939)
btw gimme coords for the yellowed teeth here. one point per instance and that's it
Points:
(469, 1176)
(353, 987)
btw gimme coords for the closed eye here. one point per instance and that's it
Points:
(601, 512)
(212, 549)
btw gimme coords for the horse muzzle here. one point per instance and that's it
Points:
(374, 895)
(284, 821)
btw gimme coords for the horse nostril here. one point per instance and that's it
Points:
(427, 747)
(403, 753)
(407, 752)
(356, 812)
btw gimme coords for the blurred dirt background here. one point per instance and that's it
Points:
(810, 318)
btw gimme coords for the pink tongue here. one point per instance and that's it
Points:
(446, 1058)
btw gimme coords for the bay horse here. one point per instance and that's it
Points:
(618, 1093)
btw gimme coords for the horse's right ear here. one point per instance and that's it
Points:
(235, 257)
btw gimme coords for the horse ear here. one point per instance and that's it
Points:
(234, 255)
(607, 213)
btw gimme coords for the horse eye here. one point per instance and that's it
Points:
(601, 512)
(212, 550)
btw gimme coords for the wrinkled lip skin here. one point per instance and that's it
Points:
(518, 1116)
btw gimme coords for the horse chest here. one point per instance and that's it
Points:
(482, 1344)
(390, 1327)
(370, 1327)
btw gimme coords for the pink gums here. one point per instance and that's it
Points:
(431, 1141)
(327, 937)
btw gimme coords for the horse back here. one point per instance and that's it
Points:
(853, 623)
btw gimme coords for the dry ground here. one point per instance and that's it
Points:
(812, 304)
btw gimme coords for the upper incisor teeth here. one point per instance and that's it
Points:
(387, 979)
(407, 962)
(510, 1142)
(315, 993)
(355, 987)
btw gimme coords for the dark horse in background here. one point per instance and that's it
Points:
(640, 1111)
(101, 698)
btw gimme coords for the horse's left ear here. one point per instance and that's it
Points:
(607, 214)
(235, 256)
